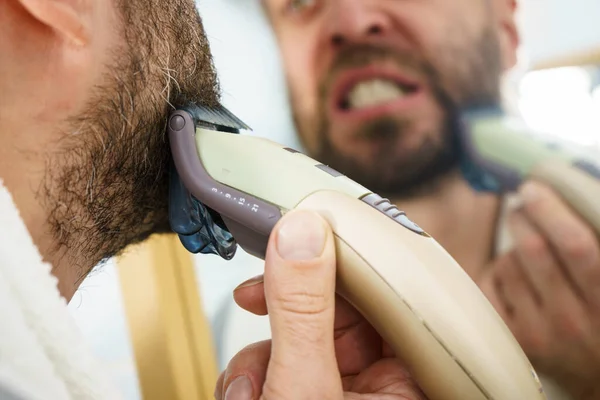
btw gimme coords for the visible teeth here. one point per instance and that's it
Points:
(373, 92)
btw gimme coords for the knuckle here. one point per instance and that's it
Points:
(535, 246)
(505, 270)
(513, 276)
(535, 341)
(303, 316)
(251, 350)
(570, 326)
(253, 353)
(301, 302)
(583, 248)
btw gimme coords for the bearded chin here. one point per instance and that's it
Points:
(392, 173)
(107, 186)
(396, 171)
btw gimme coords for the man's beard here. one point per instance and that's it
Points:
(107, 187)
(413, 173)
(420, 170)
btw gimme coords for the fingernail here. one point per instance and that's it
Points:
(529, 192)
(239, 389)
(301, 236)
(250, 282)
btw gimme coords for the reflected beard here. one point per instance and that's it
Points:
(419, 171)
(107, 186)
(415, 172)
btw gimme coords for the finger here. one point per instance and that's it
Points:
(388, 376)
(219, 386)
(525, 320)
(357, 343)
(300, 295)
(575, 242)
(245, 374)
(250, 295)
(562, 311)
(491, 288)
(541, 268)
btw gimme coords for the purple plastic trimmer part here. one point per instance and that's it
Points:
(249, 219)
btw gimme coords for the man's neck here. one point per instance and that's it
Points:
(23, 173)
(461, 220)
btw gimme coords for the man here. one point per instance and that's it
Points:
(374, 86)
(86, 87)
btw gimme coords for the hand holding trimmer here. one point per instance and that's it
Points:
(228, 188)
(499, 152)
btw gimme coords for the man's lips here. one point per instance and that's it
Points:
(367, 93)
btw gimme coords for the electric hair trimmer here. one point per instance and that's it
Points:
(499, 152)
(229, 189)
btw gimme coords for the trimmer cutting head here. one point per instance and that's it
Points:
(499, 151)
(201, 229)
(209, 215)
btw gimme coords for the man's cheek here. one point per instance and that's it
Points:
(307, 116)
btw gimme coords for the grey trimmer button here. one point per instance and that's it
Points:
(329, 170)
(177, 123)
(387, 208)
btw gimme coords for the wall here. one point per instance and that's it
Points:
(553, 28)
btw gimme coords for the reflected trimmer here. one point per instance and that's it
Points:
(229, 189)
(500, 152)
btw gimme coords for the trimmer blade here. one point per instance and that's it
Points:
(219, 116)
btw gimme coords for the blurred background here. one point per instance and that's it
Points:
(562, 101)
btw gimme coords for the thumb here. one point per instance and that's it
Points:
(300, 296)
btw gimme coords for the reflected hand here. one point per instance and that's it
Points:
(321, 347)
(548, 290)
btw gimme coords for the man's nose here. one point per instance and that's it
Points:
(352, 21)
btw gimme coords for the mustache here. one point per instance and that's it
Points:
(361, 55)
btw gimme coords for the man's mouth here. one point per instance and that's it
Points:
(369, 93)
(374, 92)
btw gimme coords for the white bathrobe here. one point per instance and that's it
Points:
(42, 353)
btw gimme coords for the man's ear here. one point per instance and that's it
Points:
(70, 18)
(510, 38)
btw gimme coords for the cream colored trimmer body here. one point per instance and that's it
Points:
(229, 189)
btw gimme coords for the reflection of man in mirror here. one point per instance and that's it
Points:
(371, 85)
